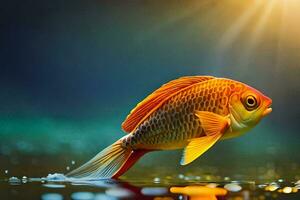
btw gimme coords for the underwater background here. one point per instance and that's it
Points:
(71, 71)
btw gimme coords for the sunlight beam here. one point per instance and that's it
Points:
(235, 30)
(259, 30)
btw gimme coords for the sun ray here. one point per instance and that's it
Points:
(171, 20)
(258, 31)
(235, 30)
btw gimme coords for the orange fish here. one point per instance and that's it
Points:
(191, 112)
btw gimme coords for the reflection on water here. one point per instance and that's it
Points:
(199, 192)
(180, 187)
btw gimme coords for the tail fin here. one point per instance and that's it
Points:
(112, 162)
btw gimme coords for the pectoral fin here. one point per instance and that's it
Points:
(214, 126)
(212, 123)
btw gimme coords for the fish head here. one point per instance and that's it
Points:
(247, 107)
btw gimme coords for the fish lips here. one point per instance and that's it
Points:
(266, 112)
(268, 109)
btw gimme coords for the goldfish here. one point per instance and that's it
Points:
(190, 113)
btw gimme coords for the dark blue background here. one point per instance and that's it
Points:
(72, 70)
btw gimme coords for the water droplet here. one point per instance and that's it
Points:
(262, 186)
(82, 196)
(272, 187)
(52, 196)
(287, 190)
(181, 176)
(232, 187)
(187, 178)
(153, 191)
(180, 197)
(156, 180)
(119, 192)
(73, 162)
(6, 171)
(24, 179)
(56, 177)
(14, 181)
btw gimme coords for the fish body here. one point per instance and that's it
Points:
(191, 113)
(174, 123)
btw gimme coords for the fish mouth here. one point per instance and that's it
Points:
(267, 111)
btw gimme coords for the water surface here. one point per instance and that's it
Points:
(180, 186)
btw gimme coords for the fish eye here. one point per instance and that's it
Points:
(250, 102)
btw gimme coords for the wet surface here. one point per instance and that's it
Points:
(58, 187)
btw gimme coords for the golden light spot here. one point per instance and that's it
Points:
(287, 190)
(294, 189)
(272, 187)
(199, 192)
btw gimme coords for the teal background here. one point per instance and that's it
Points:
(72, 70)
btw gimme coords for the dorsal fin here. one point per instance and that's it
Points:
(144, 108)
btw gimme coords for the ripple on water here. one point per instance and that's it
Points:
(14, 181)
(232, 187)
(51, 185)
(154, 191)
(119, 192)
(52, 196)
(56, 177)
(82, 196)
(101, 196)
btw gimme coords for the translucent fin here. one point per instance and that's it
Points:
(105, 164)
(214, 126)
(212, 123)
(154, 100)
(197, 147)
